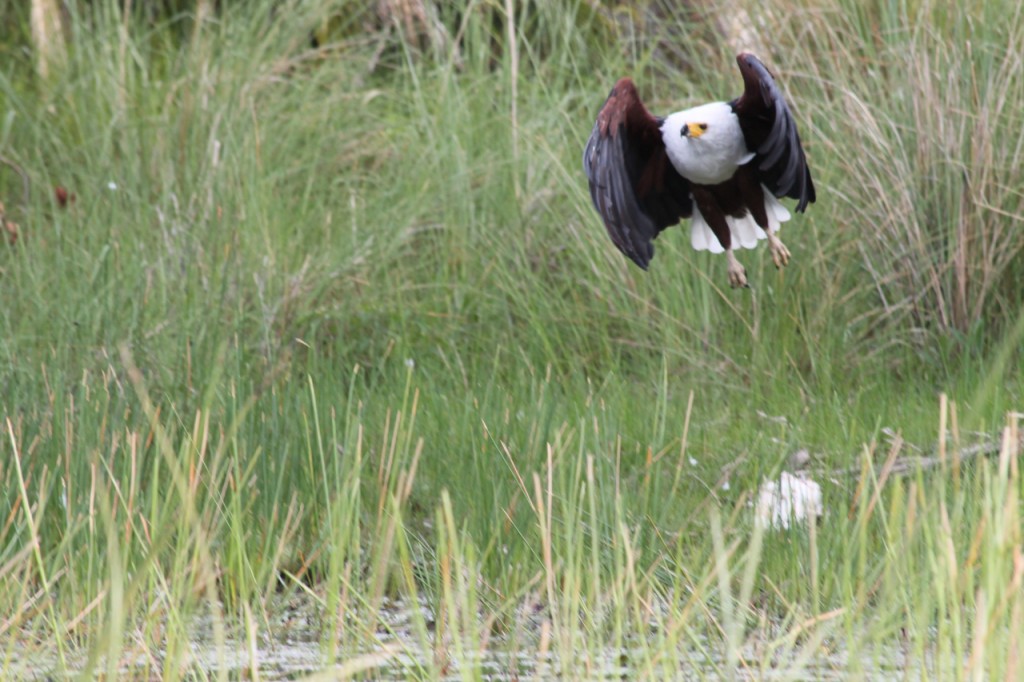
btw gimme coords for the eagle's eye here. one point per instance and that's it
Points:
(703, 126)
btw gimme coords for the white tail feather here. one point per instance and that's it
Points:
(745, 231)
(701, 236)
(775, 210)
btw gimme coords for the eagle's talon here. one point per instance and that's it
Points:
(738, 280)
(737, 273)
(780, 254)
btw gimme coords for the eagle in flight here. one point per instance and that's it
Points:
(724, 165)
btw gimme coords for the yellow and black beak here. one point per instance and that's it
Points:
(694, 129)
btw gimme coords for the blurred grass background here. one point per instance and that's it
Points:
(330, 292)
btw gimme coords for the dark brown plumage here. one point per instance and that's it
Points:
(633, 185)
(770, 132)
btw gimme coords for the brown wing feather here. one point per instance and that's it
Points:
(633, 185)
(769, 130)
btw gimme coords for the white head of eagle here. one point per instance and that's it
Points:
(723, 164)
(705, 143)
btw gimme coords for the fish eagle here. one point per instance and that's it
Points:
(724, 165)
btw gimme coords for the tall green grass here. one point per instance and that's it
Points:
(336, 326)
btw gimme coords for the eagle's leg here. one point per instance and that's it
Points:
(737, 274)
(712, 212)
(755, 198)
(780, 254)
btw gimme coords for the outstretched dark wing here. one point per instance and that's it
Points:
(633, 185)
(770, 132)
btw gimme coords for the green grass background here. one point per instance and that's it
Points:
(339, 322)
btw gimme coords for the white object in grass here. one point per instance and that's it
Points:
(787, 501)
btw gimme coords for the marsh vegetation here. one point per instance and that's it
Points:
(323, 341)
